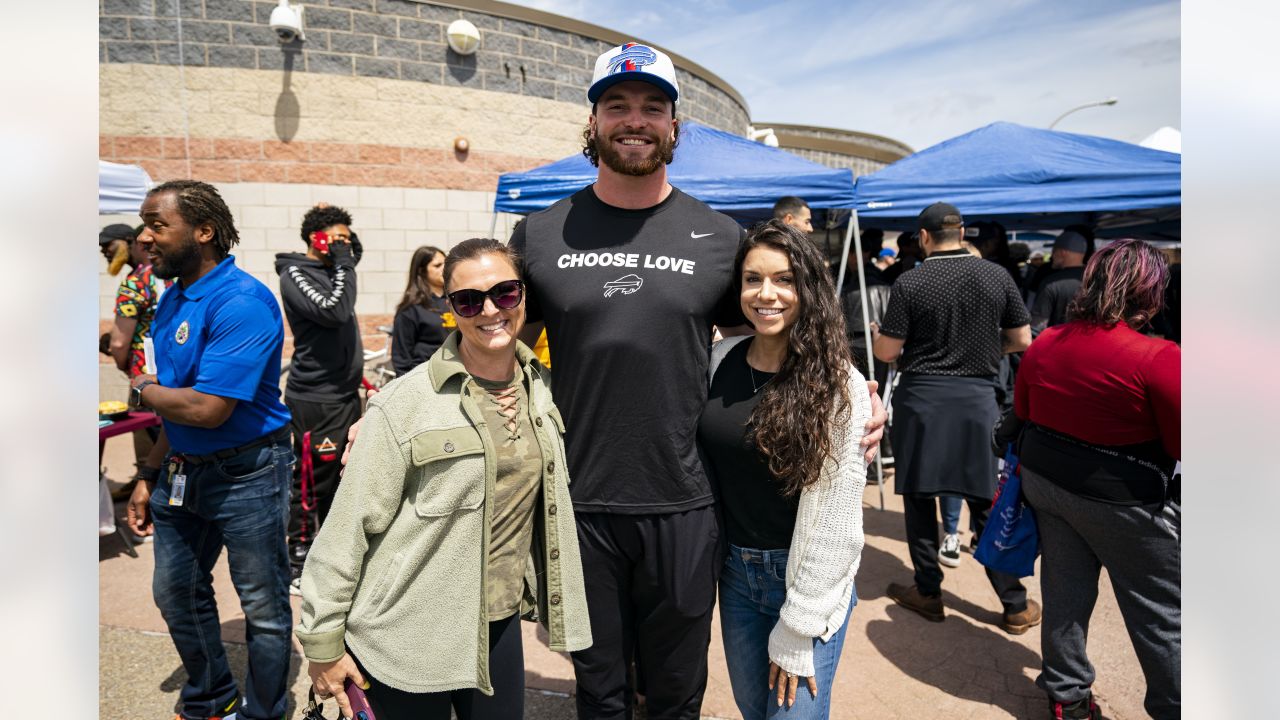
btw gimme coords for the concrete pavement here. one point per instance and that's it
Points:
(894, 664)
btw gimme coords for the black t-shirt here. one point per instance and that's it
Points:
(628, 298)
(755, 512)
(950, 311)
(418, 331)
(1050, 306)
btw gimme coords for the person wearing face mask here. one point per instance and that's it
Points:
(781, 429)
(453, 521)
(423, 319)
(318, 292)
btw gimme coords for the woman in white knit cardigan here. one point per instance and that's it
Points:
(781, 429)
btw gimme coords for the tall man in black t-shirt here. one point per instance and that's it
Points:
(947, 325)
(318, 292)
(629, 275)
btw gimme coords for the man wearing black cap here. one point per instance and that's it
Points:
(629, 275)
(1050, 306)
(947, 326)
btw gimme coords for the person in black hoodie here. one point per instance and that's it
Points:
(318, 291)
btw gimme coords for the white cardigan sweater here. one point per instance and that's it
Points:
(826, 545)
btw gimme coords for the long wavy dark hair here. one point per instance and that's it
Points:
(808, 398)
(417, 291)
(1123, 281)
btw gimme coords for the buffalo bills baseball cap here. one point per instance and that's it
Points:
(634, 61)
(938, 216)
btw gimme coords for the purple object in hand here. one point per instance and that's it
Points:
(360, 709)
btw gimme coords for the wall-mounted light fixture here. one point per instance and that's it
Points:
(286, 20)
(464, 38)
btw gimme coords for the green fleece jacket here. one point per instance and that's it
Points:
(397, 572)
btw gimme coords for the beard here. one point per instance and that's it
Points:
(662, 151)
(177, 262)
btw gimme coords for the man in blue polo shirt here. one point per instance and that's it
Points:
(218, 335)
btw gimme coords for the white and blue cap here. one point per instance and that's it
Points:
(633, 61)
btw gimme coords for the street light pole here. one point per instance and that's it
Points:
(1108, 101)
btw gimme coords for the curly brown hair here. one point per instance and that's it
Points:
(808, 398)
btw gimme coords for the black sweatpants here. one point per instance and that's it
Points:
(921, 515)
(319, 437)
(650, 591)
(506, 675)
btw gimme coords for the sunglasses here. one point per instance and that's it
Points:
(505, 296)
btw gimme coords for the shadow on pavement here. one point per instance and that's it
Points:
(961, 659)
(238, 658)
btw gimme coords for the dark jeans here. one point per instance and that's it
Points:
(506, 674)
(650, 591)
(1141, 548)
(312, 496)
(240, 503)
(921, 515)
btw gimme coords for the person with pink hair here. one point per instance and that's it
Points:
(1101, 405)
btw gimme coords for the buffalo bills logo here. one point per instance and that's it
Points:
(632, 58)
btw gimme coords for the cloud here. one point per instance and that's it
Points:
(925, 70)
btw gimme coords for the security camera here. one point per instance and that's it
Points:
(286, 21)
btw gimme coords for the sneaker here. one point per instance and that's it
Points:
(1020, 622)
(909, 596)
(228, 713)
(1083, 709)
(949, 553)
(295, 586)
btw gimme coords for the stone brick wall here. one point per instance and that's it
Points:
(862, 153)
(390, 39)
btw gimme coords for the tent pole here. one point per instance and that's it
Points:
(844, 253)
(856, 232)
(493, 225)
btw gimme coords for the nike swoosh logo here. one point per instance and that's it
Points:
(695, 235)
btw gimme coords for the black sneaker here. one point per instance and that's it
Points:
(1083, 709)
(949, 551)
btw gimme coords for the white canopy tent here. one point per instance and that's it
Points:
(121, 188)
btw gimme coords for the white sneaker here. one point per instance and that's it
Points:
(949, 553)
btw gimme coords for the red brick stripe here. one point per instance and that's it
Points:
(321, 163)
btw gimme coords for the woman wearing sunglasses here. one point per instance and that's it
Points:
(782, 427)
(453, 520)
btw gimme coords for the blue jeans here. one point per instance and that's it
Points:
(241, 503)
(949, 508)
(753, 586)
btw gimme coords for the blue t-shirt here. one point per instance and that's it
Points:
(222, 336)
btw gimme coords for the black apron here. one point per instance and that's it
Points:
(942, 435)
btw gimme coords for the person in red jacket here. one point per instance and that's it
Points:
(1102, 410)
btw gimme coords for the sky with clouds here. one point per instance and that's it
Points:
(923, 71)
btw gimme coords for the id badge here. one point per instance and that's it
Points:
(177, 486)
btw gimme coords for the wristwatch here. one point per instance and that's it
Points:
(135, 393)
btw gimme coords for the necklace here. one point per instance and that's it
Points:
(754, 387)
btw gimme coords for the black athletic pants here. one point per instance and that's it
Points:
(506, 674)
(921, 515)
(317, 469)
(650, 590)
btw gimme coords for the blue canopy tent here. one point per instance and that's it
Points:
(1031, 179)
(732, 174)
(1027, 179)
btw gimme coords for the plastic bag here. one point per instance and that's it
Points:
(1010, 542)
